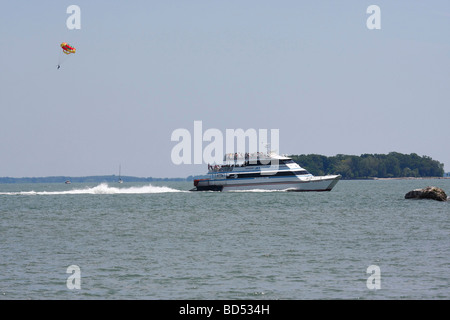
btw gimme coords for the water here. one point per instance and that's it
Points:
(157, 241)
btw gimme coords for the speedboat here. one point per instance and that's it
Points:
(265, 171)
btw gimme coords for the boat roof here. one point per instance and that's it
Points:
(254, 156)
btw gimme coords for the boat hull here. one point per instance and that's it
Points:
(297, 184)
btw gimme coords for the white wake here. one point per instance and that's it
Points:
(103, 188)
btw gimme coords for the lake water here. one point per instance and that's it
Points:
(159, 241)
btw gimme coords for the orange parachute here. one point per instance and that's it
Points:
(67, 49)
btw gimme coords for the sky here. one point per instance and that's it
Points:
(143, 69)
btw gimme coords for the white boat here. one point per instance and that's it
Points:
(262, 171)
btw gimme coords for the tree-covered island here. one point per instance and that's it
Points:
(365, 166)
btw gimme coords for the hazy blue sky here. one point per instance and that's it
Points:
(311, 69)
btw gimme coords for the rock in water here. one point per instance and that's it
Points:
(434, 193)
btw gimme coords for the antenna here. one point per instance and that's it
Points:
(267, 148)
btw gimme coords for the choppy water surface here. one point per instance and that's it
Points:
(158, 241)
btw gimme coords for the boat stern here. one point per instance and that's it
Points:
(205, 185)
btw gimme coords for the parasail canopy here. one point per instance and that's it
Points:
(67, 49)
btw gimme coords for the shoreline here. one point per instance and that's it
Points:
(409, 178)
(113, 179)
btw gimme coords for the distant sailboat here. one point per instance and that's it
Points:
(120, 179)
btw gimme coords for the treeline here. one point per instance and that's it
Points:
(392, 165)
